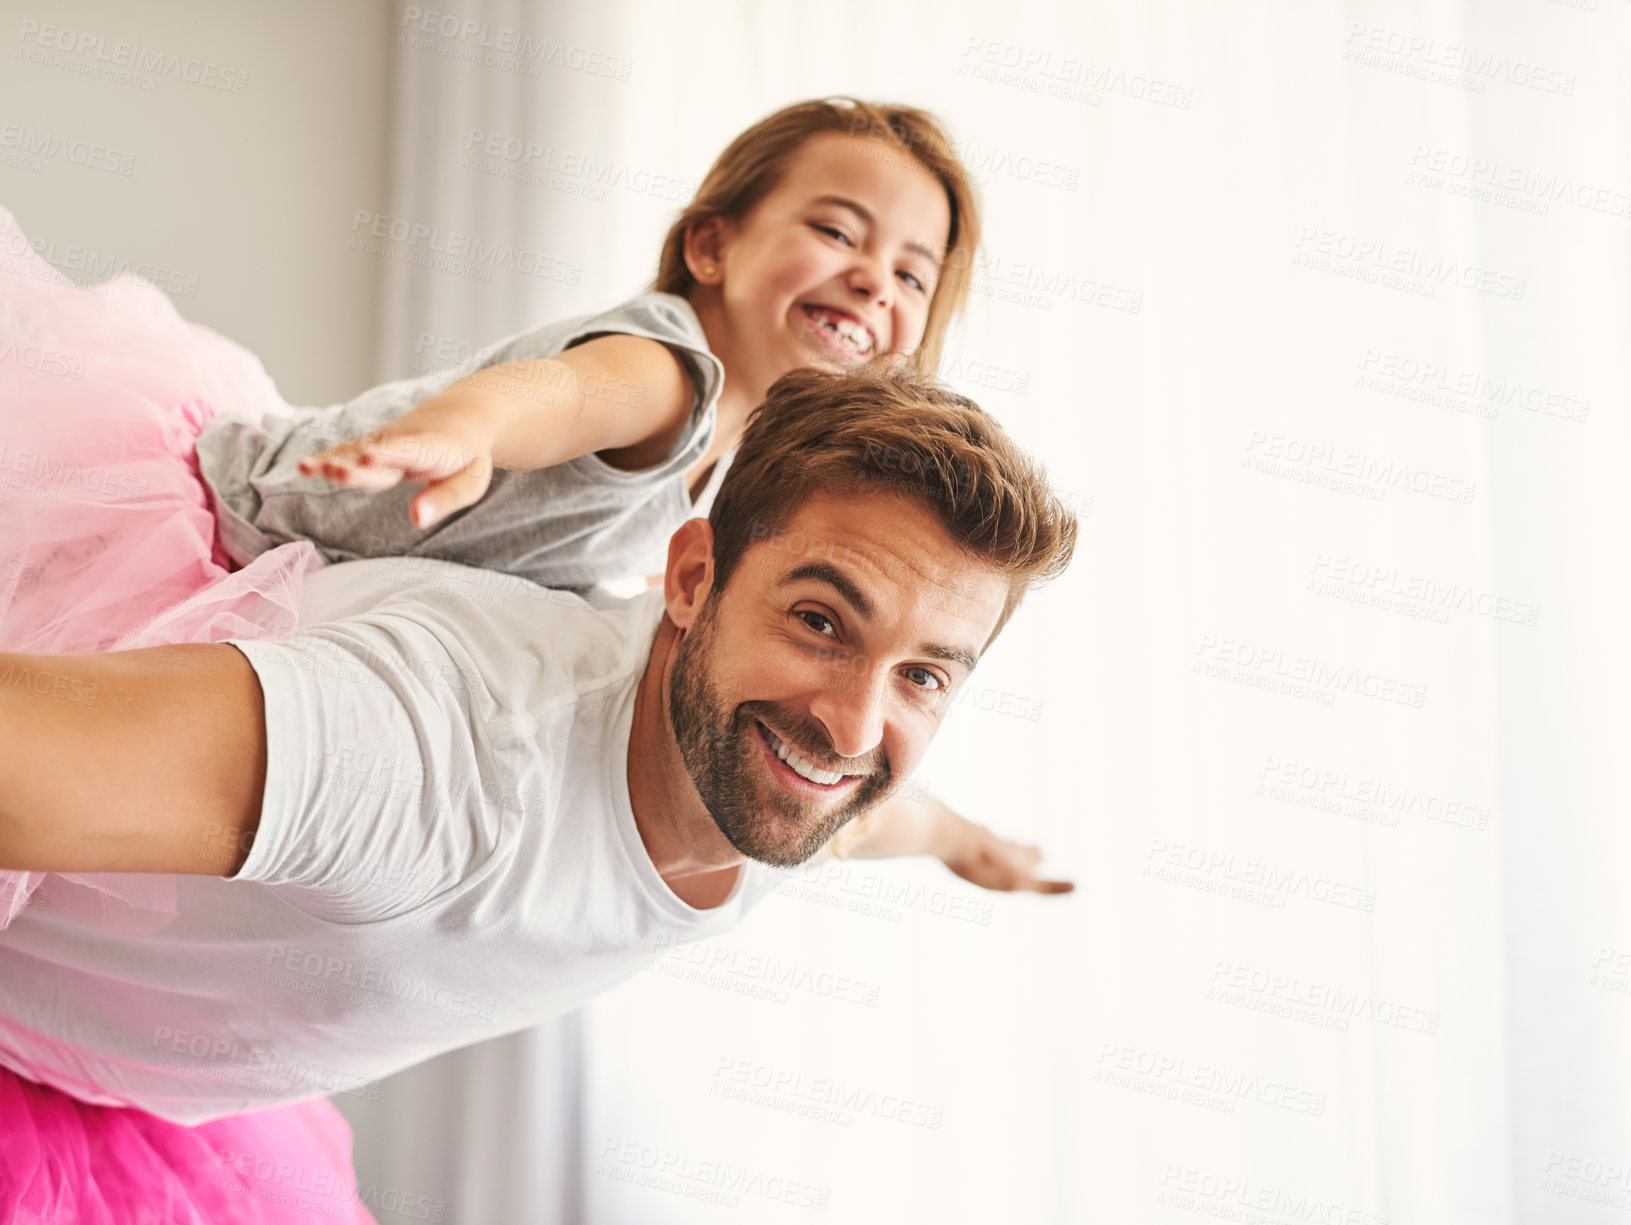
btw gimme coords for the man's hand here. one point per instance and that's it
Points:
(984, 859)
(919, 824)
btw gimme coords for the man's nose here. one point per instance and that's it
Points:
(849, 705)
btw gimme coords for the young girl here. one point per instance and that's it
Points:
(159, 491)
(830, 234)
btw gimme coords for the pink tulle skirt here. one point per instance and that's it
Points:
(107, 542)
(64, 1161)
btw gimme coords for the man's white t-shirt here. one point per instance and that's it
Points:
(446, 853)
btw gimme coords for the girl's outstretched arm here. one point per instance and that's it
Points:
(130, 761)
(623, 397)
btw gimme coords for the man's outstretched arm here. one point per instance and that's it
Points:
(131, 761)
(912, 822)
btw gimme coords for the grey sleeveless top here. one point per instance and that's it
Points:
(574, 526)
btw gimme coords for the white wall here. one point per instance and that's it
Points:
(238, 201)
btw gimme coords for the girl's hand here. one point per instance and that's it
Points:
(446, 443)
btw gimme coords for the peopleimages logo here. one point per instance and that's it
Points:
(1426, 53)
(1349, 794)
(1251, 880)
(535, 161)
(1321, 463)
(1437, 383)
(1274, 662)
(1377, 260)
(1543, 186)
(502, 47)
(1128, 1066)
(1288, 995)
(1241, 1199)
(119, 54)
(1388, 587)
(89, 154)
(427, 241)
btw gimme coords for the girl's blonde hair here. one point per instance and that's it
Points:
(755, 161)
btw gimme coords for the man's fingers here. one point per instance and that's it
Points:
(1020, 858)
(1053, 886)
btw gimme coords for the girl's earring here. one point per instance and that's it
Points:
(708, 270)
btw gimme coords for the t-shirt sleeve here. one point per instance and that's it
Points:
(659, 317)
(374, 799)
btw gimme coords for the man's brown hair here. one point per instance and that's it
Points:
(749, 169)
(872, 430)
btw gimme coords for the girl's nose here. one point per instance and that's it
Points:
(870, 281)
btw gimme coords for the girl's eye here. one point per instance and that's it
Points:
(911, 279)
(834, 232)
(811, 618)
(922, 675)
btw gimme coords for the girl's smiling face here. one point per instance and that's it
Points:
(835, 266)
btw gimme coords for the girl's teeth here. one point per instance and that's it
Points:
(852, 334)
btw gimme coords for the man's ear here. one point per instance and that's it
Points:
(705, 250)
(690, 573)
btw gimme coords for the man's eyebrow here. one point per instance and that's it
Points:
(949, 654)
(916, 248)
(825, 572)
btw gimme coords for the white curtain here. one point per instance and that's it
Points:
(1318, 314)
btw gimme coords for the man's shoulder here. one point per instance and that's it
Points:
(490, 615)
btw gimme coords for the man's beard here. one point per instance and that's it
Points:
(719, 747)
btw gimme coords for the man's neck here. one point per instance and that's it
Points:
(694, 859)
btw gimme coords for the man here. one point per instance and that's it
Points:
(456, 804)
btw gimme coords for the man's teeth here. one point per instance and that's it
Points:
(801, 767)
(847, 330)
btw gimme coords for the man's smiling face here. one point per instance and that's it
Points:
(811, 686)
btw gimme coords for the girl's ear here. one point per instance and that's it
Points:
(705, 250)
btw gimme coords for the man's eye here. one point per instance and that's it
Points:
(923, 679)
(811, 619)
(833, 232)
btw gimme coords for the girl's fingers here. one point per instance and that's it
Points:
(333, 458)
(464, 488)
(376, 462)
(341, 467)
(362, 478)
(425, 456)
